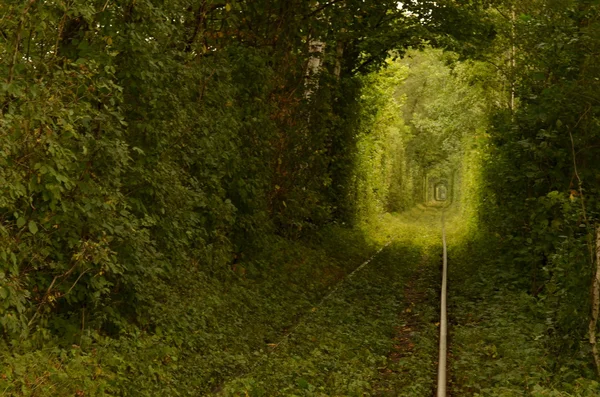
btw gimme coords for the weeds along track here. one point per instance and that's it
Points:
(273, 348)
(375, 333)
(378, 333)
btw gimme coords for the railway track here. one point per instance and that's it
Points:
(443, 350)
(354, 317)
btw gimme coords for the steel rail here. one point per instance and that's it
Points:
(442, 373)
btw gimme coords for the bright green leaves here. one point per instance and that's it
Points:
(420, 117)
(21, 222)
(33, 228)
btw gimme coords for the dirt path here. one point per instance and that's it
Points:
(411, 365)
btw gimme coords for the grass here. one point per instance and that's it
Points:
(348, 346)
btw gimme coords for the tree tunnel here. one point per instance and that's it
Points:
(439, 189)
(440, 192)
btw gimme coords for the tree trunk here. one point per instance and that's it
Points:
(596, 303)
(317, 50)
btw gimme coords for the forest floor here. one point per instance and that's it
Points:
(377, 333)
(500, 340)
(304, 318)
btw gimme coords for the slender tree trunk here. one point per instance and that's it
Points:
(513, 61)
(338, 59)
(317, 50)
(596, 303)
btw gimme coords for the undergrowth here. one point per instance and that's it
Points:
(212, 326)
(501, 341)
(342, 348)
(207, 326)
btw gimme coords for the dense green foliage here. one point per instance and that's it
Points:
(181, 181)
(158, 161)
(541, 177)
(500, 344)
(420, 117)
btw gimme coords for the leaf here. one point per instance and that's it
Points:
(303, 383)
(21, 222)
(33, 227)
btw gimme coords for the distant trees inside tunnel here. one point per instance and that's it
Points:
(430, 112)
(441, 192)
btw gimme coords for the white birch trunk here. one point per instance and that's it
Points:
(315, 62)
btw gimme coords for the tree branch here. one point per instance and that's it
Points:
(321, 8)
(200, 18)
(370, 60)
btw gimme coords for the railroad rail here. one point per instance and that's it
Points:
(442, 372)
